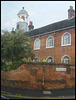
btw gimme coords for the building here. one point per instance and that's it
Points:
(55, 42)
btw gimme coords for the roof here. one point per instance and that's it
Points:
(22, 11)
(52, 27)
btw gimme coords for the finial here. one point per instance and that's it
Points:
(23, 7)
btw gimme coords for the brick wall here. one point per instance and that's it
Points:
(58, 51)
(30, 76)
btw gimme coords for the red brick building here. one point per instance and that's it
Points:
(55, 42)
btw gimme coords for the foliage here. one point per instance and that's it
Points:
(25, 60)
(14, 47)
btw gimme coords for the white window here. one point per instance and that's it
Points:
(66, 59)
(50, 42)
(37, 44)
(36, 59)
(49, 59)
(66, 39)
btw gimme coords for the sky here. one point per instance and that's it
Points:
(41, 13)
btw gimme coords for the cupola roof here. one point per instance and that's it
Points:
(22, 11)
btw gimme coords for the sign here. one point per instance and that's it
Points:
(61, 69)
(46, 92)
(44, 60)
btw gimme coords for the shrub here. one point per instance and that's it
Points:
(25, 60)
(12, 65)
(4, 67)
(16, 63)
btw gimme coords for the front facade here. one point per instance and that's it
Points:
(55, 46)
(55, 42)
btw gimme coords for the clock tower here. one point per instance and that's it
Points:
(22, 22)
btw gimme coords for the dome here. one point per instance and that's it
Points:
(22, 11)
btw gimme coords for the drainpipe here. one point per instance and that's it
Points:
(43, 74)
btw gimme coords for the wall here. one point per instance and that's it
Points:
(30, 76)
(58, 51)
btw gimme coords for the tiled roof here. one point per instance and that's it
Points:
(52, 27)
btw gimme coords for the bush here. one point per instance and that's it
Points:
(25, 60)
(13, 65)
(8, 67)
(16, 64)
(4, 67)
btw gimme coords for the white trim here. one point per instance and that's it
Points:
(64, 56)
(62, 39)
(50, 47)
(37, 57)
(51, 57)
(53, 42)
(39, 44)
(66, 45)
(36, 49)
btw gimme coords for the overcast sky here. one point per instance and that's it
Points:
(42, 13)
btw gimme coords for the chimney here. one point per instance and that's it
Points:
(71, 12)
(12, 29)
(30, 25)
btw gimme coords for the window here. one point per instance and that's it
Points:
(50, 42)
(23, 18)
(49, 59)
(37, 44)
(36, 59)
(66, 39)
(17, 26)
(66, 59)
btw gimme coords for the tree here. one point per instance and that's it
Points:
(15, 46)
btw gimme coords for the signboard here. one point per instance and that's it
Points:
(44, 60)
(46, 92)
(61, 69)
